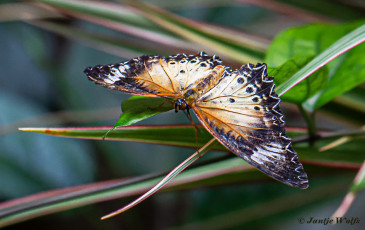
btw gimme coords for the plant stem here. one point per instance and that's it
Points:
(310, 120)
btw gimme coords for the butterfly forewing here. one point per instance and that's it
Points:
(154, 75)
(242, 112)
(146, 75)
(190, 69)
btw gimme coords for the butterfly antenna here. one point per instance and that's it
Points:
(187, 112)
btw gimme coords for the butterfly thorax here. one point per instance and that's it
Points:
(194, 91)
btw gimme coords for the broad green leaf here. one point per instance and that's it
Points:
(304, 89)
(345, 72)
(349, 74)
(138, 108)
(306, 40)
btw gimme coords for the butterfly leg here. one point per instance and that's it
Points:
(187, 113)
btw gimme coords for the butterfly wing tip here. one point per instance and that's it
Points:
(301, 182)
(304, 185)
(87, 70)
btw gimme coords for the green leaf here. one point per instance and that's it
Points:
(183, 136)
(320, 40)
(138, 108)
(359, 181)
(174, 135)
(304, 89)
(350, 73)
(357, 187)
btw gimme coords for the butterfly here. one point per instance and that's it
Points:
(238, 107)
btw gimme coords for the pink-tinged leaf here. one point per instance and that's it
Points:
(58, 200)
(172, 135)
(359, 183)
(286, 9)
(25, 11)
(176, 171)
(191, 31)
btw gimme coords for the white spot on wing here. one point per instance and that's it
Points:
(107, 80)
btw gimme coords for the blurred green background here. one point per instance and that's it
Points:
(42, 84)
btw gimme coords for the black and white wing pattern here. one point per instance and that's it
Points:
(154, 75)
(145, 75)
(188, 70)
(242, 112)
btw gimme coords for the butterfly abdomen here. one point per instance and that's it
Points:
(211, 80)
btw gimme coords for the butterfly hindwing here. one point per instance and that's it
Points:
(242, 112)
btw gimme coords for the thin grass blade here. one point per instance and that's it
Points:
(176, 171)
(188, 30)
(358, 183)
(117, 46)
(25, 11)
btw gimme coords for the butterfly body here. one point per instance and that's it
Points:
(188, 97)
(238, 107)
